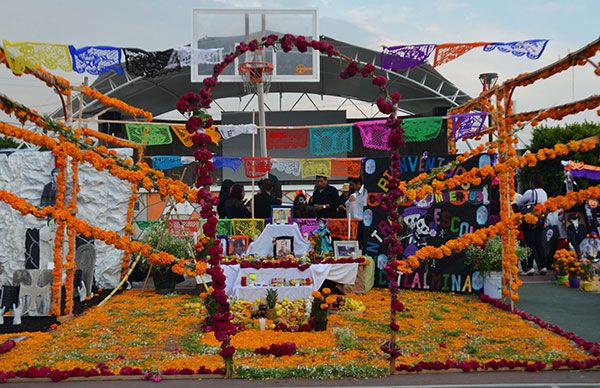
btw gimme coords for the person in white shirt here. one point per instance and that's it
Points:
(356, 203)
(534, 234)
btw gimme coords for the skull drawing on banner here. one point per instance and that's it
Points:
(419, 228)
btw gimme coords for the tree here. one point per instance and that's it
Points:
(552, 170)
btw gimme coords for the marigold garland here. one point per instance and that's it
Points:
(80, 226)
(115, 103)
(129, 227)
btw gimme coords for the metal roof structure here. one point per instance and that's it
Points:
(422, 87)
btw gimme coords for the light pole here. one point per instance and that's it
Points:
(488, 81)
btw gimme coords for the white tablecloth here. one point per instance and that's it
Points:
(253, 293)
(339, 273)
(263, 246)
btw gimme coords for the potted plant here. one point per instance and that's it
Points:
(320, 309)
(162, 275)
(575, 272)
(488, 261)
(587, 275)
(562, 261)
(271, 302)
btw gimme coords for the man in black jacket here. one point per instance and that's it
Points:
(264, 200)
(325, 199)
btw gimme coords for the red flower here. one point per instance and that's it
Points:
(301, 44)
(384, 106)
(209, 82)
(367, 70)
(193, 124)
(379, 81)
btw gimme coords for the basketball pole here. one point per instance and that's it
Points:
(261, 119)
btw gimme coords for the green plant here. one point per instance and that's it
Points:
(271, 298)
(7, 142)
(551, 170)
(489, 258)
(159, 237)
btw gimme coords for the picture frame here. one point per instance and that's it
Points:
(282, 214)
(345, 248)
(283, 246)
(224, 241)
(238, 245)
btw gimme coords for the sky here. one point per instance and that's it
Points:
(157, 24)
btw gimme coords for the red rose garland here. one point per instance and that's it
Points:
(193, 104)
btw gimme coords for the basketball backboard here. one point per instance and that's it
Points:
(225, 28)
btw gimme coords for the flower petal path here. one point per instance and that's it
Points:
(152, 332)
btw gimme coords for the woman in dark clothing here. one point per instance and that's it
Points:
(234, 206)
(301, 207)
(223, 196)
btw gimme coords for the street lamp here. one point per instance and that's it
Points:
(488, 81)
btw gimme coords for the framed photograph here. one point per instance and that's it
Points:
(345, 248)
(238, 245)
(283, 246)
(224, 243)
(281, 214)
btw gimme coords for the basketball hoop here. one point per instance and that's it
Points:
(255, 74)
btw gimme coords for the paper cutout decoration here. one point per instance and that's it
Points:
(186, 138)
(256, 167)
(339, 228)
(532, 48)
(165, 162)
(184, 228)
(330, 140)
(96, 60)
(278, 138)
(307, 226)
(581, 170)
(467, 125)
(405, 56)
(223, 161)
(187, 56)
(447, 52)
(29, 55)
(229, 131)
(375, 133)
(288, 166)
(313, 167)
(148, 64)
(149, 134)
(252, 227)
(349, 167)
(421, 129)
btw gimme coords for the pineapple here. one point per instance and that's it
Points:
(271, 298)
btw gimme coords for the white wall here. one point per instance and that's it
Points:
(102, 201)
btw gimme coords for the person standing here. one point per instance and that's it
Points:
(325, 199)
(223, 197)
(264, 200)
(234, 206)
(534, 234)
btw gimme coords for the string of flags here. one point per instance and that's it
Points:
(321, 141)
(257, 167)
(97, 60)
(407, 56)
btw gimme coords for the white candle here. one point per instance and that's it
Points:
(262, 324)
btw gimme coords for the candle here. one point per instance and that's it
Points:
(262, 324)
